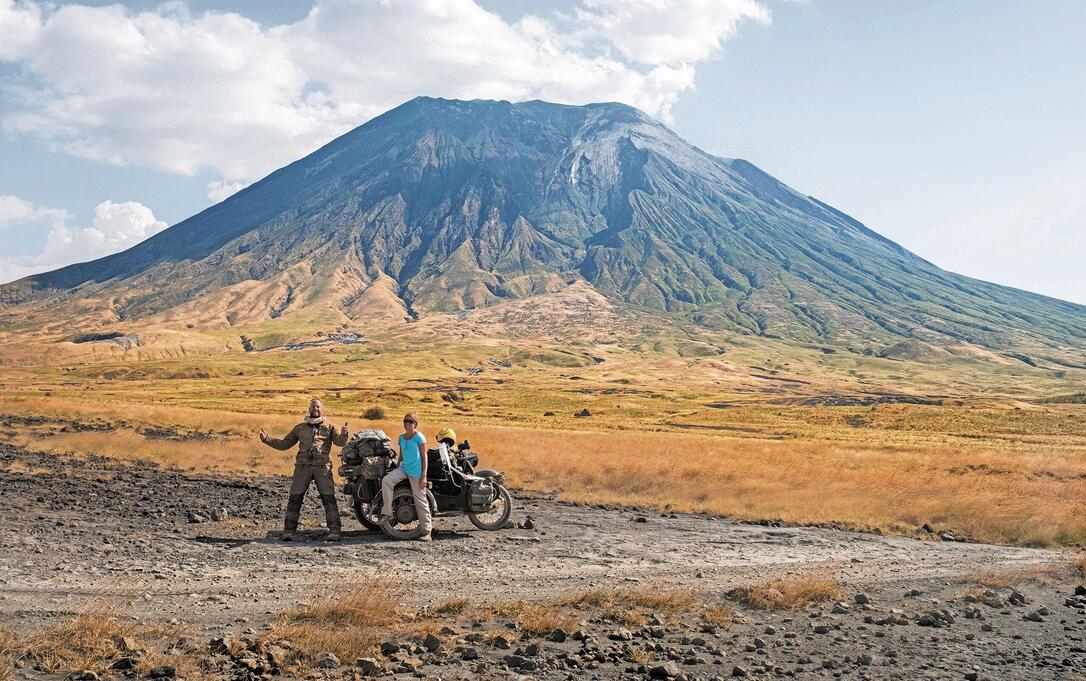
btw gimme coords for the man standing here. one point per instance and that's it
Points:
(314, 438)
(413, 469)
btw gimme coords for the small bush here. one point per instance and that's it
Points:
(374, 413)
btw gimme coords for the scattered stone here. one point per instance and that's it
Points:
(667, 670)
(390, 648)
(125, 663)
(861, 599)
(163, 672)
(431, 643)
(367, 666)
(739, 671)
(514, 661)
(220, 646)
(220, 514)
(557, 636)
(582, 413)
(327, 661)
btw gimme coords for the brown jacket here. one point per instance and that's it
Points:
(314, 442)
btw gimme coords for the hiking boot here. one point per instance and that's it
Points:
(426, 537)
(332, 536)
(288, 535)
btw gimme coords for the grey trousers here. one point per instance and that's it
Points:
(422, 506)
(321, 474)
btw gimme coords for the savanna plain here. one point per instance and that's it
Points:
(719, 491)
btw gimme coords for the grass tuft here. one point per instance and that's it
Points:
(1078, 564)
(536, 618)
(93, 641)
(350, 624)
(451, 606)
(789, 593)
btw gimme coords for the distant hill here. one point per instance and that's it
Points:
(442, 205)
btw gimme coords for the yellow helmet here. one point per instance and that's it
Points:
(446, 434)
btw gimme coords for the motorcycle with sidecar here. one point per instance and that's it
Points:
(457, 488)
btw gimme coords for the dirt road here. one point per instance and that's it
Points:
(77, 534)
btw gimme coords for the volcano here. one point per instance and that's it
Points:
(444, 205)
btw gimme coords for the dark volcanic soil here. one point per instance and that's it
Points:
(91, 533)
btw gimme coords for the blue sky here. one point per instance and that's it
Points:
(954, 128)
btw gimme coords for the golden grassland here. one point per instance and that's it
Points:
(666, 432)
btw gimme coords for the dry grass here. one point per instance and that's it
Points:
(93, 641)
(536, 618)
(1004, 579)
(719, 615)
(789, 593)
(451, 606)
(350, 624)
(9, 649)
(1078, 564)
(627, 606)
(987, 470)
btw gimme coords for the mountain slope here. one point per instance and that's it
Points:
(450, 205)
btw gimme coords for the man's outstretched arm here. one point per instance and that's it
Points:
(281, 444)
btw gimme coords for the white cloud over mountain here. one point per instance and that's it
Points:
(116, 226)
(217, 92)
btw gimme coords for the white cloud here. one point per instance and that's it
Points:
(669, 31)
(216, 91)
(116, 226)
(15, 211)
(217, 190)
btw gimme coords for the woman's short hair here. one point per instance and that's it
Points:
(410, 416)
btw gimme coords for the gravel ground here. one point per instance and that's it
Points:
(79, 534)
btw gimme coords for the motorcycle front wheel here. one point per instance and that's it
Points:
(497, 516)
(365, 516)
(405, 522)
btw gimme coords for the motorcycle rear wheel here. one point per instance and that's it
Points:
(370, 521)
(496, 517)
(407, 524)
